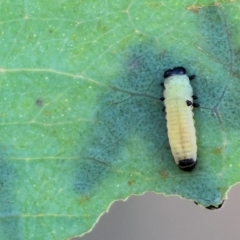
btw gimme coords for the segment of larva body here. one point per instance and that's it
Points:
(178, 100)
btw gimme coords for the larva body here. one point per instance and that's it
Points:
(178, 100)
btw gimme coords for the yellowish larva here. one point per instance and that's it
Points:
(178, 100)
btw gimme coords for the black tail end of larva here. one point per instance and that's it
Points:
(187, 164)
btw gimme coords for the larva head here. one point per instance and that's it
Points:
(187, 164)
(174, 71)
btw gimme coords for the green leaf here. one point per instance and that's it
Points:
(81, 120)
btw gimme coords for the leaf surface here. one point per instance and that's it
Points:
(81, 121)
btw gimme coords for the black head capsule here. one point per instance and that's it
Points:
(187, 164)
(174, 71)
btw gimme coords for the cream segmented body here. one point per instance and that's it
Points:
(178, 100)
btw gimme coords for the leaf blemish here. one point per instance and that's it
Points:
(39, 102)
(130, 182)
